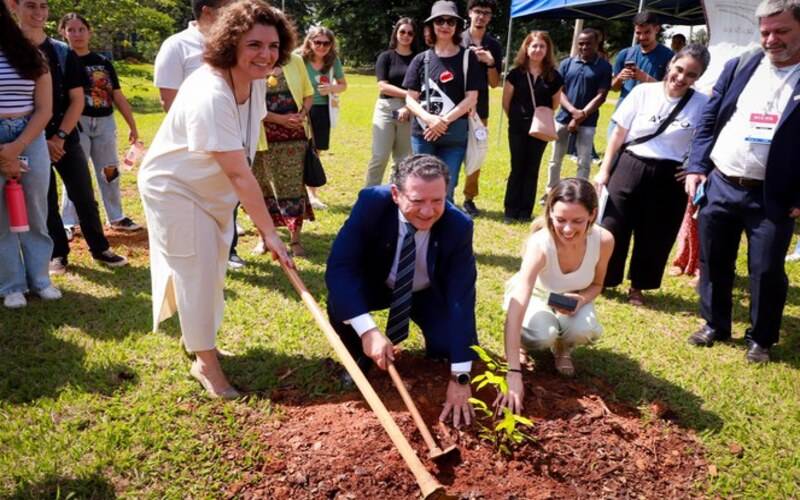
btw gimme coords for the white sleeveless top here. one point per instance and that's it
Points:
(551, 278)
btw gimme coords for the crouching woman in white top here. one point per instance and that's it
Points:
(199, 166)
(566, 254)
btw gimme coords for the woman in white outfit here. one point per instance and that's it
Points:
(566, 254)
(198, 167)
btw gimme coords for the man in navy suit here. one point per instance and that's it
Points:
(408, 236)
(746, 150)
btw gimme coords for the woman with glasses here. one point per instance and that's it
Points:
(438, 93)
(327, 77)
(391, 127)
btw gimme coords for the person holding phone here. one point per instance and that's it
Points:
(566, 256)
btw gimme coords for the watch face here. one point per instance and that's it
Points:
(462, 378)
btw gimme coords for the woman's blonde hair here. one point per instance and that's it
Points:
(549, 61)
(308, 47)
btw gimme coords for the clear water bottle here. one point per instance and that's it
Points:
(133, 155)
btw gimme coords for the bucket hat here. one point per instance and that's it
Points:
(444, 8)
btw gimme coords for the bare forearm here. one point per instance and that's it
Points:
(493, 76)
(463, 107)
(595, 103)
(387, 88)
(124, 108)
(73, 114)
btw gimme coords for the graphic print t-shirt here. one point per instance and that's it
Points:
(99, 93)
(446, 82)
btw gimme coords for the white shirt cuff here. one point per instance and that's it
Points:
(362, 323)
(464, 366)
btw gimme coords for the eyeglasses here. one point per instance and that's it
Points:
(321, 43)
(404, 32)
(482, 12)
(441, 21)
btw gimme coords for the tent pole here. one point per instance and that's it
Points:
(506, 64)
(641, 8)
(577, 31)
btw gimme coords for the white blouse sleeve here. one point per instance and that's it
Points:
(212, 123)
(626, 112)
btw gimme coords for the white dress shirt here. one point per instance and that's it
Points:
(364, 322)
(768, 91)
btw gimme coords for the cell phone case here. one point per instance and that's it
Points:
(561, 301)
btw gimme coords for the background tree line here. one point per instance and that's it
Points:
(137, 27)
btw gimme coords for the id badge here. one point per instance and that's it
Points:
(762, 128)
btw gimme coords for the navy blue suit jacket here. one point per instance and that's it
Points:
(362, 256)
(782, 182)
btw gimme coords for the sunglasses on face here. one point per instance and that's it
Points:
(404, 32)
(321, 43)
(441, 21)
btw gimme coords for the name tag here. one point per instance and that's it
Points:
(762, 128)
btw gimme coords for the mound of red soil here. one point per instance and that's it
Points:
(583, 447)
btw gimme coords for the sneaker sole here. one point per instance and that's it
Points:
(121, 263)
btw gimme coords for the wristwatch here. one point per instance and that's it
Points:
(462, 378)
(61, 135)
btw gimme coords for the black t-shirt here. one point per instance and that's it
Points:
(493, 45)
(103, 81)
(446, 79)
(391, 67)
(520, 109)
(72, 76)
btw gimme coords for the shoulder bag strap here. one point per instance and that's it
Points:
(426, 62)
(530, 87)
(661, 128)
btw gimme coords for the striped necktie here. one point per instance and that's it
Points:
(400, 309)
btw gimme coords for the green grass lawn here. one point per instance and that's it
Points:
(92, 404)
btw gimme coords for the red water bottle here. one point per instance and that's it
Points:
(15, 204)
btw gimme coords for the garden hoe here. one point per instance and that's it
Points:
(436, 453)
(429, 486)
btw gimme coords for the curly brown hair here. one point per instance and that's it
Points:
(238, 18)
(549, 61)
(21, 54)
(308, 47)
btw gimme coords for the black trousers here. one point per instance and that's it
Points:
(646, 201)
(728, 211)
(526, 155)
(235, 240)
(74, 171)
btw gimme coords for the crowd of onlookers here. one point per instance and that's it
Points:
(250, 106)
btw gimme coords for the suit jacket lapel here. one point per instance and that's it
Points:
(791, 106)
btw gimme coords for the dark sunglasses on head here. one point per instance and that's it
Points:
(441, 21)
(321, 43)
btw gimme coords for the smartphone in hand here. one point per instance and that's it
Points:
(560, 301)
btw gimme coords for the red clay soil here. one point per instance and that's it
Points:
(583, 447)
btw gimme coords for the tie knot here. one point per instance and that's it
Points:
(410, 229)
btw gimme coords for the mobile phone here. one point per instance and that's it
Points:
(562, 301)
(630, 64)
(699, 194)
(23, 160)
(395, 115)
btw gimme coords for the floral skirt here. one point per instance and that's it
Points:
(279, 172)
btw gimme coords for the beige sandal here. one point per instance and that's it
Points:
(297, 249)
(227, 394)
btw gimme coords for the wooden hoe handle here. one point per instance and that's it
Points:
(428, 484)
(412, 408)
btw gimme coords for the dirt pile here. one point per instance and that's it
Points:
(583, 448)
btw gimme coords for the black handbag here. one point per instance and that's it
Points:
(313, 173)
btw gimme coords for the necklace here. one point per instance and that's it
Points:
(245, 139)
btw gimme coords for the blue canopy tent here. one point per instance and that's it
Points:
(669, 11)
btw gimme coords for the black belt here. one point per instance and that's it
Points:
(653, 161)
(745, 182)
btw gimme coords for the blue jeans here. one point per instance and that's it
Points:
(450, 148)
(99, 143)
(24, 257)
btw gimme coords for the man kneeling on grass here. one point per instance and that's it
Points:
(406, 248)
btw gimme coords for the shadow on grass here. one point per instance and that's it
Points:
(655, 300)
(626, 381)
(507, 262)
(94, 487)
(261, 273)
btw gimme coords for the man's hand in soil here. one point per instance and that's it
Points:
(516, 393)
(377, 347)
(457, 403)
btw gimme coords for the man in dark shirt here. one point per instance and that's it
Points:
(63, 142)
(490, 55)
(587, 78)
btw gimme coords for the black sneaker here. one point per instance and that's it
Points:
(471, 209)
(126, 224)
(235, 262)
(110, 259)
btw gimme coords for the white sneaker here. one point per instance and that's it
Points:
(239, 230)
(69, 232)
(793, 257)
(317, 204)
(49, 293)
(260, 248)
(15, 300)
